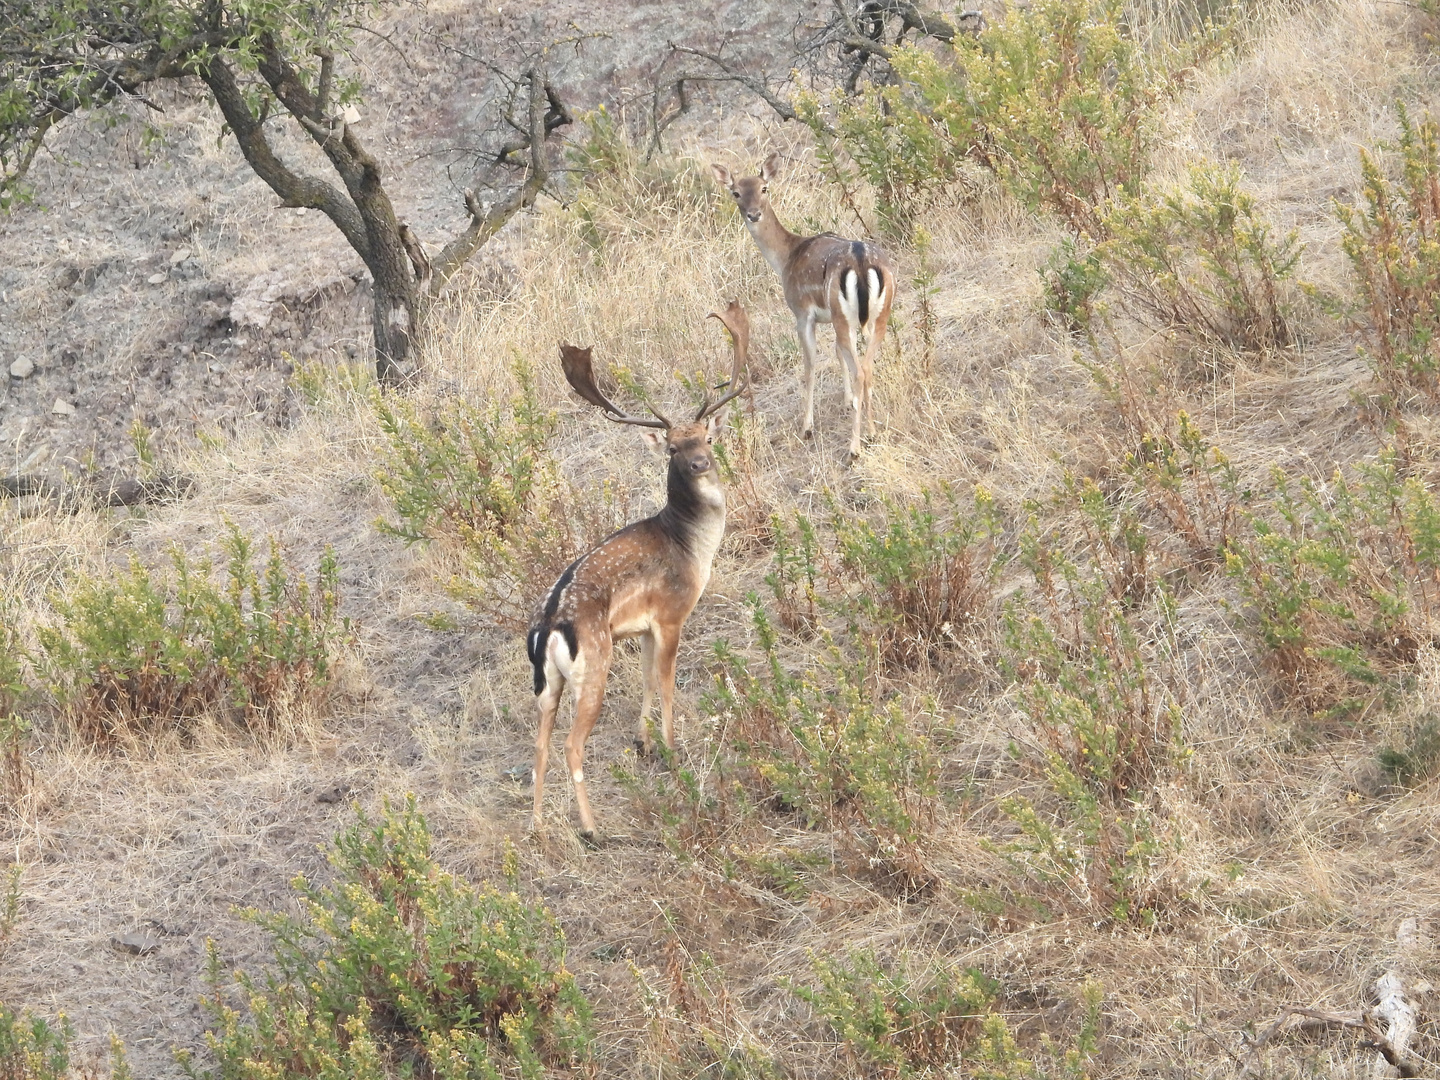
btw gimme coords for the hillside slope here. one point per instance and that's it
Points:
(1260, 859)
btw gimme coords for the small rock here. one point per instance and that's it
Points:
(155, 279)
(137, 944)
(179, 256)
(22, 368)
(332, 795)
(62, 408)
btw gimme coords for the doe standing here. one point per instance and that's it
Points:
(826, 278)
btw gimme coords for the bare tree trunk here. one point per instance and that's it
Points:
(396, 315)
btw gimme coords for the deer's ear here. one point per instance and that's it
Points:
(654, 439)
(722, 174)
(771, 166)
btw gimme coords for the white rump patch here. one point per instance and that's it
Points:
(877, 293)
(850, 296)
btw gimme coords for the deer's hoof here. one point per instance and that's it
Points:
(589, 840)
(807, 434)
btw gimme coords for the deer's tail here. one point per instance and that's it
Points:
(862, 288)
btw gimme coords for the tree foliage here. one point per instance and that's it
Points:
(263, 61)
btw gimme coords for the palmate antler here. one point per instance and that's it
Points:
(578, 365)
(580, 374)
(737, 322)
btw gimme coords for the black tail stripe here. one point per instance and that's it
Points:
(862, 282)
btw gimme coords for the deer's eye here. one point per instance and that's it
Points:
(764, 188)
(735, 193)
(671, 449)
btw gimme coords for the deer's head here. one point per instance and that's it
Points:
(751, 193)
(688, 444)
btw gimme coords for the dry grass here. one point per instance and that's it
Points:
(1297, 862)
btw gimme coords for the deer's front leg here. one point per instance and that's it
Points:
(805, 329)
(667, 646)
(647, 673)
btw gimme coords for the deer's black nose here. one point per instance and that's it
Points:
(699, 465)
(752, 216)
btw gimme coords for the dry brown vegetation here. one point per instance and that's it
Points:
(1250, 849)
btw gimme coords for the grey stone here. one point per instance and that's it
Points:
(136, 944)
(22, 368)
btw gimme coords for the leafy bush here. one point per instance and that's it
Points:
(402, 967)
(1192, 487)
(468, 470)
(504, 574)
(914, 580)
(31, 1048)
(480, 477)
(897, 145)
(1057, 98)
(821, 746)
(900, 1024)
(1105, 729)
(1202, 259)
(144, 651)
(1341, 579)
(1393, 243)
(1073, 283)
(904, 583)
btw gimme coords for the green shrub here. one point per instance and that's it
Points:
(468, 471)
(1190, 485)
(897, 145)
(1057, 98)
(1202, 259)
(1073, 283)
(31, 1048)
(821, 746)
(402, 968)
(1106, 731)
(148, 651)
(913, 581)
(900, 1024)
(905, 583)
(1340, 579)
(1414, 757)
(1394, 250)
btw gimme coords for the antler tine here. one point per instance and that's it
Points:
(734, 319)
(580, 374)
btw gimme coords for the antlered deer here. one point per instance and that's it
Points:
(826, 278)
(641, 582)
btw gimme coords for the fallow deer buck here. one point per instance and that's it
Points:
(826, 278)
(641, 582)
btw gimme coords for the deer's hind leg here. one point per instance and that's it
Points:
(548, 704)
(805, 328)
(589, 697)
(872, 352)
(857, 384)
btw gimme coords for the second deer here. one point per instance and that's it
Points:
(826, 278)
(641, 582)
